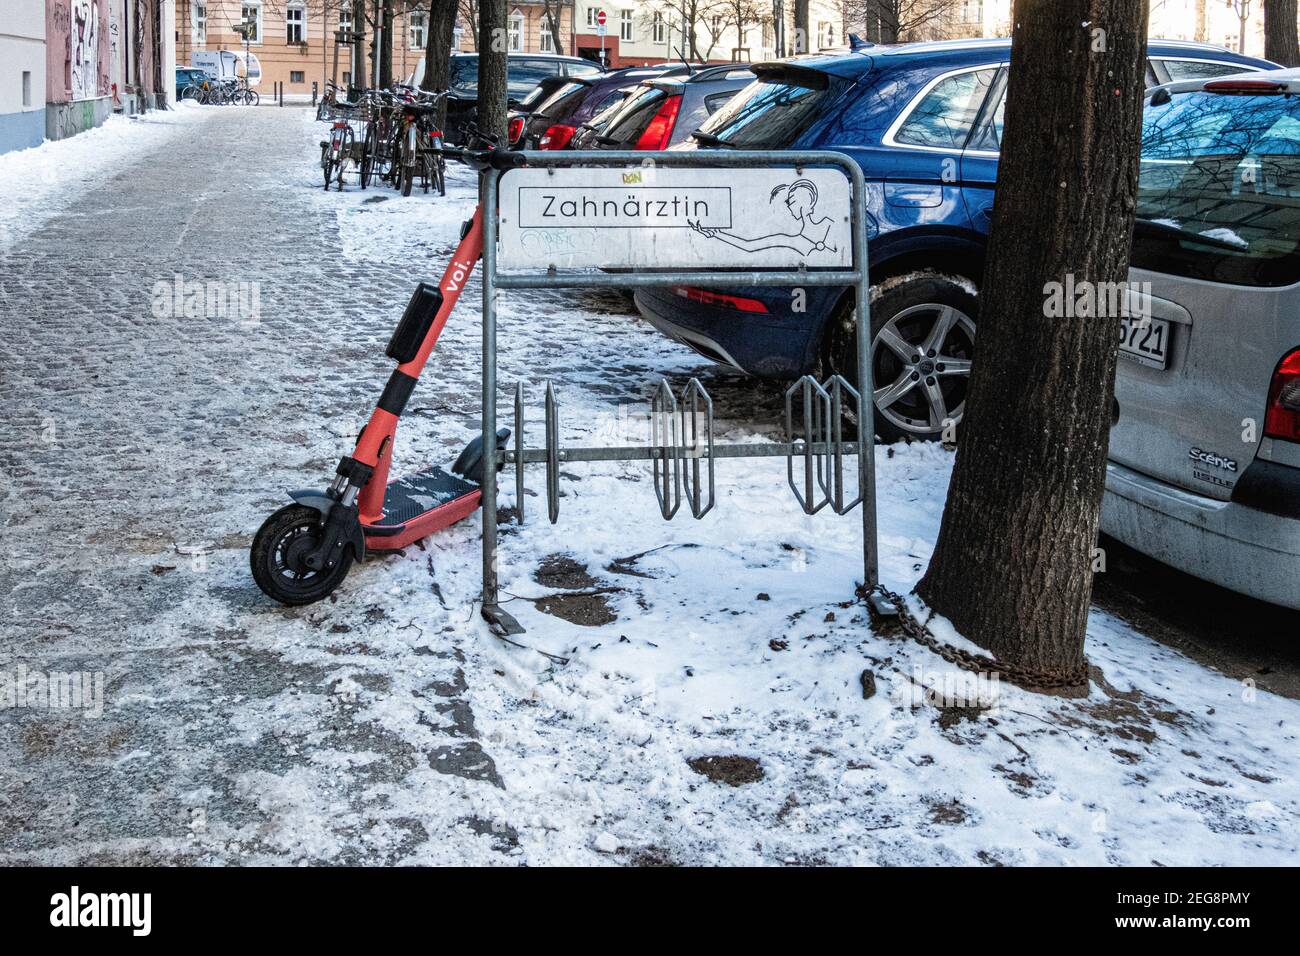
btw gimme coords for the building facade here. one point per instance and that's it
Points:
(96, 57)
(22, 74)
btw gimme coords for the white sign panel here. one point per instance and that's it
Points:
(659, 217)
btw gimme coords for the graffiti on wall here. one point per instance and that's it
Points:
(83, 49)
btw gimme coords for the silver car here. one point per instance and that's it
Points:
(1204, 470)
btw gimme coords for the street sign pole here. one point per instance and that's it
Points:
(600, 29)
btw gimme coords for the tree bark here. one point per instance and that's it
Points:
(437, 50)
(1202, 34)
(1012, 567)
(802, 38)
(494, 45)
(386, 50)
(360, 75)
(1280, 42)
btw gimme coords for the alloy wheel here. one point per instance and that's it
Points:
(920, 364)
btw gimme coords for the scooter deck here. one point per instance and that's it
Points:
(418, 505)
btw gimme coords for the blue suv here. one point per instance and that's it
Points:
(924, 121)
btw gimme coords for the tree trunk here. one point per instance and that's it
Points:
(360, 77)
(494, 45)
(1012, 567)
(801, 22)
(386, 48)
(1280, 41)
(437, 50)
(1202, 33)
(552, 20)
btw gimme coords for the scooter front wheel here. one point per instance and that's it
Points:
(277, 557)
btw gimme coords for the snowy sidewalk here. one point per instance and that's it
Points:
(389, 725)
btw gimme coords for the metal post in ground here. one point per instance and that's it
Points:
(489, 492)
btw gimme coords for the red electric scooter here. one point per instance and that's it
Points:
(305, 550)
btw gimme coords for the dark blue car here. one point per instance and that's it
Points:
(925, 122)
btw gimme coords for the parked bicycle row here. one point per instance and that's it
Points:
(212, 92)
(389, 136)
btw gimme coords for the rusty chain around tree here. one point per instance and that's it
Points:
(1045, 680)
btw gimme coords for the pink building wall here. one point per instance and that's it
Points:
(77, 50)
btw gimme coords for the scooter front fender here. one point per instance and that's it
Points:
(315, 498)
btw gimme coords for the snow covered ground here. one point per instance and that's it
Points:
(712, 706)
(37, 183)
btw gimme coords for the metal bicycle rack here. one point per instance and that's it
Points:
(682, 451)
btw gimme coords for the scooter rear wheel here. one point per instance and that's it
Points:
(279, 548)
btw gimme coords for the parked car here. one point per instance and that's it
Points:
(662, 112)
(524, 72)
(924, 120)
(528, 105)
(189, 76)
(1204, 469)
(552, 123)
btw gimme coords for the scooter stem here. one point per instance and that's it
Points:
(375, 446)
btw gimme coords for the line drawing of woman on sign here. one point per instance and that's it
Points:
(801, 202)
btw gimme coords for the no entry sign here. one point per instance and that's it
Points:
(656, 217)
(600, 17)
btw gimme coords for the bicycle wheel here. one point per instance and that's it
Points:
(327, 164)
(190, 93)
(367, 157)
(251, 98)
(345, 153)
(440, 171)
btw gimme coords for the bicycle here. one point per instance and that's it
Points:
(336, 151)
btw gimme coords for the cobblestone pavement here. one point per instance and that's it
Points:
(142, 448)
(141, 451)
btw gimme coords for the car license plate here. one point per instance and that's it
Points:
(1145, 341)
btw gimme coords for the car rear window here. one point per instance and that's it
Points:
(774, 110)
(464, 74)
(523, 75)
(1197, 69)
(633, 116)
(583, 69)
(1219, 188)
(562, 101)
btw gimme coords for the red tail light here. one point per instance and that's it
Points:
(1283, 417)
(1245, 87)
(515, 129)
(556, 137)
(660, 130)
(738, 302)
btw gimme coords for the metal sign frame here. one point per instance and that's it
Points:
(822, 404)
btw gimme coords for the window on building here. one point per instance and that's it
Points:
(715, 26)
(294, 20)
(659, 28)
(347, 78)
(826, 34)
(591, 17)
(517, 31)
(548, 38)
(297, 76)
(251, 13)
(345, 18)
(625, 25)
(419, 30)
(972, 11)
(199, 26)
(27, 87)
(456, 35)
